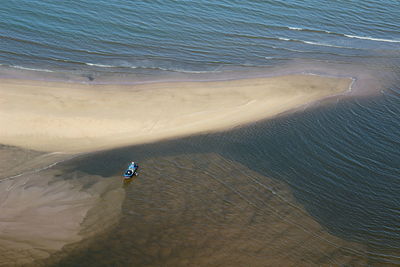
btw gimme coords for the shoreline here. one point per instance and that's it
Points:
(78, 117)
(132, 79)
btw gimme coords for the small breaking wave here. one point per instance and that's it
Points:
(311, 42)
(122, 66)
(128, 66)
(100, 65)
(344, 35)
(372, 38)
(308, 30)
(26, 68)
(178, 70)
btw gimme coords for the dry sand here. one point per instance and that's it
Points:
(49, 116)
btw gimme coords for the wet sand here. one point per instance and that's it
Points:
(41, 213)
(205, 210)
(70, 117)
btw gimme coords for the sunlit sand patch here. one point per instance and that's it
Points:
(49, 116)
(40, 214)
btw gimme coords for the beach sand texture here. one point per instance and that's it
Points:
(48, 116)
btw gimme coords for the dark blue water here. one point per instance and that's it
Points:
(341, 160)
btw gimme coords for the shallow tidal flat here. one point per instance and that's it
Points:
(204, 210)
(40, 212)
(61, 206)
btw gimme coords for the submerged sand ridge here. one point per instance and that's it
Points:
(206, 210)
(43, 207)
(70, 117)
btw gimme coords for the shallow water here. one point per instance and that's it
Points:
(204, 210)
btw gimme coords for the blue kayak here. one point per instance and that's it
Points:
(131, 170)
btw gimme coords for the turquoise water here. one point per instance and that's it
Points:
(340, 160)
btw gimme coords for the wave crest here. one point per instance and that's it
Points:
(26, 68)
(369, 38)
(372, 38)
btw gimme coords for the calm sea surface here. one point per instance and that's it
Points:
(341, 160)
(194, 36)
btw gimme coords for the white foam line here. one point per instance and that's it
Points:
(296, 28)
(307, 29)
(347, 35)
(148, 67)
(24, 68)
(310, 42)
(100, 65)
(372, 38)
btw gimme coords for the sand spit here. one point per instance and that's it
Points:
(45, 211)
(70, 117)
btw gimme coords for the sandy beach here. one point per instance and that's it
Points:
(70, 117)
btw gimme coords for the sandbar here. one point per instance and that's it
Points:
(77, 117)
(46, 209)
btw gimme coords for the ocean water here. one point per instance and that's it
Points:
(340, 159)
(86, 36)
